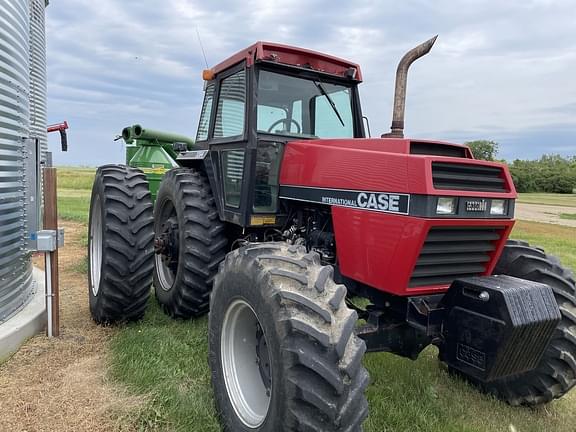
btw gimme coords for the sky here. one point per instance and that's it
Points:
(500, 70)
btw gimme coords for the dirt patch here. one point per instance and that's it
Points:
(60, 384)
(545, 214)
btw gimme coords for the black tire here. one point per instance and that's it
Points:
(318, 380)
(556, 373)
(121, 222)
(183, 287)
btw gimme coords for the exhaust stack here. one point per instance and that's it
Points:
(397, 128)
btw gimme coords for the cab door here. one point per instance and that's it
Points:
(224, 132)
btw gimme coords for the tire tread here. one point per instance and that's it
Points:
(126, 276)
(322, 355)
(205, 242)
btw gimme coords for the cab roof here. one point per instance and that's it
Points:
(292, 56)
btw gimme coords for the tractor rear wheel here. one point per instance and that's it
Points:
(120, 245)
(556, 373)
(282, 347)
(190, 243)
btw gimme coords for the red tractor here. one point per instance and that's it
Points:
(285, 214)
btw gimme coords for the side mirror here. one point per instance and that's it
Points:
(179, 147)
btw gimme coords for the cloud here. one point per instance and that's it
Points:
(500, 70)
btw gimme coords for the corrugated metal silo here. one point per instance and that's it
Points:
(16, 282)
(38, 73)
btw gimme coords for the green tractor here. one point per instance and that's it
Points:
(283, 210)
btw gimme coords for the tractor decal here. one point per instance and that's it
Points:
(364, 200)
(476, 205)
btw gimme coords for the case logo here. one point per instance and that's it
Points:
(363, 200)
(379, 201)
(471, 356)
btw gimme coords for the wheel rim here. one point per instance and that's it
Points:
(166, 246)
(96, 245)
(246, 364)
(165, 276)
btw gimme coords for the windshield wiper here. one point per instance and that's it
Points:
(332, 104)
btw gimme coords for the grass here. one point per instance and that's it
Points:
(74, 189)
(166, 361)
(568, 216)
(73, 206)
(562, 200)
(76, 178)
(81, 266)
(554, 239)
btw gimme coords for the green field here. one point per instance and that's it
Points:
(166, 361)
(74, 187)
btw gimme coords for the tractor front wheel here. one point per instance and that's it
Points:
(282, 347)
(556, 373)
(120, 252)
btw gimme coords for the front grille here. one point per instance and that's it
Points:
(468, 177)
(454, 252)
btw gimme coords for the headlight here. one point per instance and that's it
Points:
(498, 207)
(446, 206)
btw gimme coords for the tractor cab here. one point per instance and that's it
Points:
(257, 101)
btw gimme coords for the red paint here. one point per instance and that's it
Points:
(375, 248)
(58, 127)
(294, 56)
(379, 165)
(380, 249)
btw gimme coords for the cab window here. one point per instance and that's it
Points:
(268, 158)
(304, 107)
(328, 125)
(233, 167)
(202, 133)
(230, 114)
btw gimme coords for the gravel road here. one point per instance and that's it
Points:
(545, 214)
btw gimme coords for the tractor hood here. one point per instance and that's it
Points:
(395, 166)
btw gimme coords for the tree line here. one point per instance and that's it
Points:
(550, 173)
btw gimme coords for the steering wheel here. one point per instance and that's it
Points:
(287, 123)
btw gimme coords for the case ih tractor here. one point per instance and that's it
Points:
(284, 214)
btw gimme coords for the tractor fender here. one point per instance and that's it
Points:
(202, 161)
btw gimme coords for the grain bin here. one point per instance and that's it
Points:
(22, 119)
(38, 73)
(15, 264)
